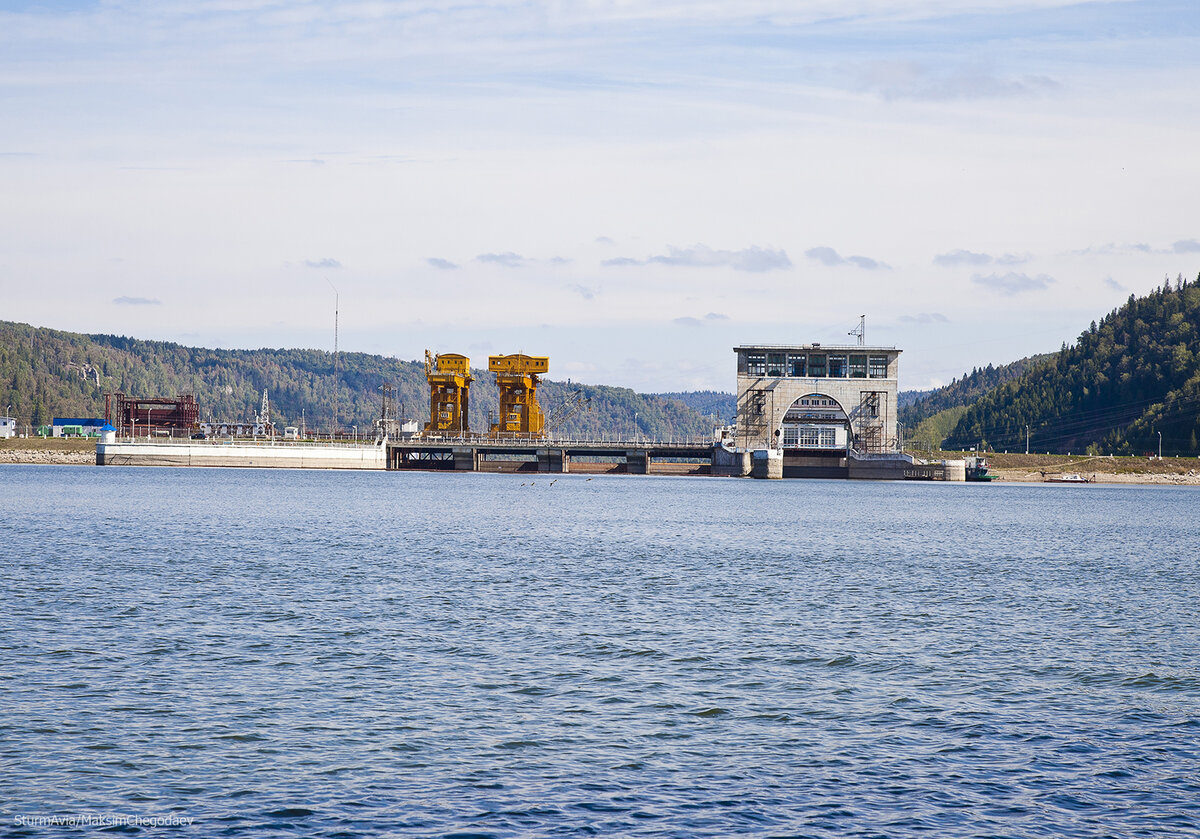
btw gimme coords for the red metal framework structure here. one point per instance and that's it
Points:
(175, 417)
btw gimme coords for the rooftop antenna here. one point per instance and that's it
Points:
(860, 331)
(333, 427)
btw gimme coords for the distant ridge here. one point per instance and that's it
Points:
(46, 373)
(721, 406)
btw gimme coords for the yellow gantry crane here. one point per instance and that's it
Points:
(517, 376)
(449, 376)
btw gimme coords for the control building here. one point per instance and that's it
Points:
(810, 399)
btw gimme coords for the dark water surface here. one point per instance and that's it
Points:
(361, 654)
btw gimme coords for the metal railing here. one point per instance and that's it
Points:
(480, 440)
(483, 440)
(246, 441)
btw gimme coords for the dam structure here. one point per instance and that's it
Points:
(803, 411)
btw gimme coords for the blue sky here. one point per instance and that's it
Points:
(631, 188)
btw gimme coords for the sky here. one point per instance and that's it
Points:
(631, 187)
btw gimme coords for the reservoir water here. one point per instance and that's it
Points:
(328, 654)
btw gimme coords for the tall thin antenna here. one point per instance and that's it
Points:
(336, 371)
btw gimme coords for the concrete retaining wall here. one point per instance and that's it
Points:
(278, 455)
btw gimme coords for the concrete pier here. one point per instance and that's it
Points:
(553, 460)
(766, 463)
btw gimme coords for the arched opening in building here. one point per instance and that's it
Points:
(815, 422)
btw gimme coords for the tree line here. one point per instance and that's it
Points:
(46, 373)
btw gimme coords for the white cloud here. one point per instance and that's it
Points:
(137, 301)
(1012, 283)
(442, 264)
(965, 257)
(327, 262)
(828, 256)
(508, 259)
(754, 259)
(907, 79)
(924, 319)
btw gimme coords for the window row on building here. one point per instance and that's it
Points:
(812, 437)
(817, 365)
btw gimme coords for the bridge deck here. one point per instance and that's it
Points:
(474, 454)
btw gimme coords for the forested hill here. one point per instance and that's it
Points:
(714, 403)
(964, 391)
(45, 373)
(1128, 378)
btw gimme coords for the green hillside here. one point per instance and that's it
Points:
(1127, 379)
(46, 373)
(962, 392)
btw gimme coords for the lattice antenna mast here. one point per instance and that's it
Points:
(860, 331)
(336, 368)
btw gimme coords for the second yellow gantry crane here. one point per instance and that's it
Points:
(518, 376)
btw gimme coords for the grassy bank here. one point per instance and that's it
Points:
(1034, 467)
(48, 444)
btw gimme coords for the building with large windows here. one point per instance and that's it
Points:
(817, 401)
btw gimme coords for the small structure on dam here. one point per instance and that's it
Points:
(157, 416)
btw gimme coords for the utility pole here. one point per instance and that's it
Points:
(1160, 445)
(1027, 439)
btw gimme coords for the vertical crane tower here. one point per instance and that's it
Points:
(517, 376)
(449, 376)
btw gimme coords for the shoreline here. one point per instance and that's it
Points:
(61, 454)
(1100, 469)
(1008, 469)
(1018, 476)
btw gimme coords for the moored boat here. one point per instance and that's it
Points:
(1068, 478)
(977, 470)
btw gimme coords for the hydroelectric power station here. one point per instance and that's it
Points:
(803, 411)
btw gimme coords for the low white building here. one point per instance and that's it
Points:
(8, 427)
